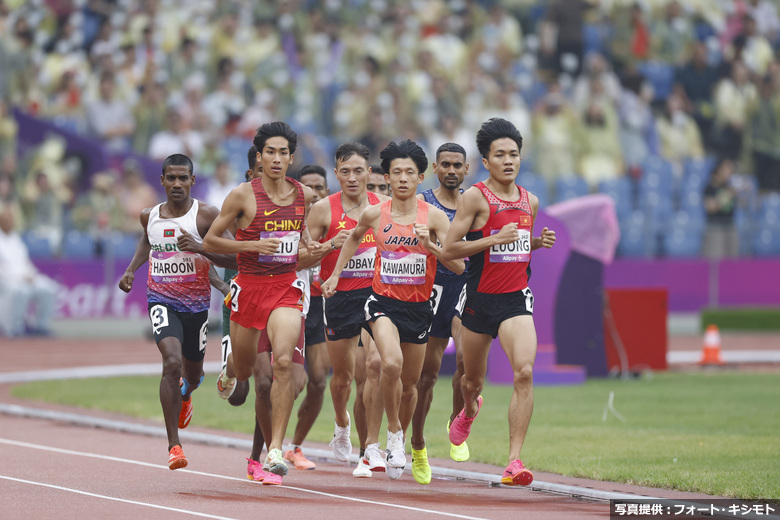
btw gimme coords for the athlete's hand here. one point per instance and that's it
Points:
(423, 234)
(264, 246)
(548, 238)
(328, 287)
(341, 237)
(508, 234)
(188, 243)
(126, 283)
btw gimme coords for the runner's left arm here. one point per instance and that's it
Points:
(217, 281)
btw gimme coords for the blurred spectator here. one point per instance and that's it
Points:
(697, 79)
(732, 97)
(65, 102)
(720, 200)
(22, 287)
(565, 21)
(8, 132)
(638, 138)
(99, 210)
(764, 12)
(600, 157)
(44, 208)
(8, 199)
(149, 115)
(597, 75)
(175, 139)
(221, 184)
(672, 35)
(758, 52)
(761, 153)
(110, 118)
(631, 39)
(135, 194)
(678, 134)
(377, 182)
(555, 129)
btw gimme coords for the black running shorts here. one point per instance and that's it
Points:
(345, 314)
(484, 313)
(315, 322)
(191, 329)
(412, 319)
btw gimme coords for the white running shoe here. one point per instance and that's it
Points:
(225, 385)
(394, 473)
(373, 456)
(361, 470)
(396, 455)
(341, 443)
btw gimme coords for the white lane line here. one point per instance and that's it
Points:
(105, 497)
(212, 475)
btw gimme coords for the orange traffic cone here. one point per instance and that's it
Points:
(710, 353)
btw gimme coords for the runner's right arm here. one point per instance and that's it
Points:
(140, 257)
(368, 220)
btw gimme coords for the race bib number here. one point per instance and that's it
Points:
(159, 316)
(287, 252)
(529, 300)
(518, 251)
(399, 268)
(436, 293)
(315, 275)
(361, 265)
(173, 267)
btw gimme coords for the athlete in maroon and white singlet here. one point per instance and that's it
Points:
(270, 213)
(497, 217)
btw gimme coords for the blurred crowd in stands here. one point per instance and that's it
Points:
(672, 107)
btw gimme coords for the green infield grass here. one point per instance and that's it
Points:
(712, 431)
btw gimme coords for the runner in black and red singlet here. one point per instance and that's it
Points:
(270, 214)
(497, 217)
(399, 309)
(331, 221)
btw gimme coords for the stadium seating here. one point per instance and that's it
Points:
(635, 241)
(120, 246)
(78, 246)
(661, 77)
(536, 185)
(570, 187)
(621, 191)
(683, 236)
(37, 247)
(766, 241)
(235, 149)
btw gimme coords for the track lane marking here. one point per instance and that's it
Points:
(213, 475)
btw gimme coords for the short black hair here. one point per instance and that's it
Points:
(402, 150)
(251, 160)
(348, 149)
(496, 128)
(177, 159)
(275, 129)
(312, 169)
(451, 147)
(375, 168)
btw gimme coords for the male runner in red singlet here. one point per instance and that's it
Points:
(178, 291)
(331, 221)
(399, 310)
(497, 217)
(270, 214)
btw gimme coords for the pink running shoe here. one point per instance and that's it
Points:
(461, 425)
(255, 471)
(516, 475)
(272, 480)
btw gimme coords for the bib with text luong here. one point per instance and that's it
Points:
(517, 251)
(400, 268)
(173, 267)
(287, 252)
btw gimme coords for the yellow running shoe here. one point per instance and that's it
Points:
(458, 453)
(421, 470)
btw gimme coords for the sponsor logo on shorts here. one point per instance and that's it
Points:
(421, 336)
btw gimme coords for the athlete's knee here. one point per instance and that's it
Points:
(171, 366)
(283, 364)
(373, 368)
(472, 385)
(524, 375)
(428, 379)
(239, 394)
(392, 368)
(263, 383)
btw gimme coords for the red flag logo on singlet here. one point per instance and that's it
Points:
(525, 221)
(300, 210)
(168, 232)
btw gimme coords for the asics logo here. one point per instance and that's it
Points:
(266, 212)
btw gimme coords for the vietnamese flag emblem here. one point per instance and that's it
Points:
(168, 232)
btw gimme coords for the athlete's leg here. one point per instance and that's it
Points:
(318, 365)
(413, 359)
(475, 354)
(359, 408)
(457, 393)
(284, 329)
(244, 342)
(264, 376)
(170, 392)
(372, 391)
(518, 338)
(388, 344)
(342, 358)
(434, 351)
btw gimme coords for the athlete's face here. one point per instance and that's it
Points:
(378, 184)
(503, 160)
(177, 181)
(316, 182)
(404, 177)
(275, 157)
(352, 174)
(451, 168)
